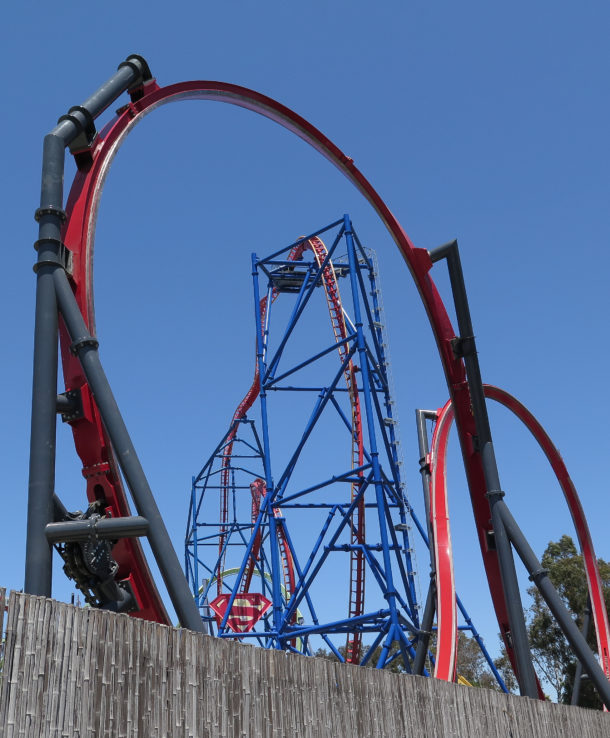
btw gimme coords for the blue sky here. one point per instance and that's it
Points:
(476, 121)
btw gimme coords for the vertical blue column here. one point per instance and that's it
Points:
(194, 538)
(390, 593)
(383, 361)
(276, 567)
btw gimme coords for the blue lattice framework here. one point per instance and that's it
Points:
(306, 519)
(392, 615)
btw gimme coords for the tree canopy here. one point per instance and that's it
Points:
(552, 655)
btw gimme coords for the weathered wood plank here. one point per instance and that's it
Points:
(71, 672)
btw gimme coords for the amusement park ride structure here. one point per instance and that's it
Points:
(360, 512)
(364, 502)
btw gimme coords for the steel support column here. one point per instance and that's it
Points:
(578, 675)
(51, 255)
(465, 347)
(85, 347)
(540, 576)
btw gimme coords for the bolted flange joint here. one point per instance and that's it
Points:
(494, 494)
(463, 346)
(85, 124)
(539, 574)
(54, 253)
(84, 342)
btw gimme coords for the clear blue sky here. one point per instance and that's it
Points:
(482, 121)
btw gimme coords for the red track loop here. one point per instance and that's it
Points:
(446, 610)
(258, 488)
(447, 619)
(90, 439)
(353, 644)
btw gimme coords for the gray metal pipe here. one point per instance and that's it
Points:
(423, 641)
(421, 416)
(69, 531)
(540, 577)
(578, 674)
(50, 216)
(60, 510)
(466, 347)
(41, 487)
(85, 347)
(129, 73)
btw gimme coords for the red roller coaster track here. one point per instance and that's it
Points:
(93, 447)
(439, 511)
(258, 488)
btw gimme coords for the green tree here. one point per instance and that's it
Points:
(503, 665)
(551, 653)
(472, 665)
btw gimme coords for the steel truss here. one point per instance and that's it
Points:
(64, 307)
(362, 509)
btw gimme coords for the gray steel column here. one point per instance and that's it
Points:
(466, 348)
(50, 216)
(540, 577)
(578, 675)
(38, 571)
(85, 347)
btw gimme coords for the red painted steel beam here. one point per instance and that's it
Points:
(446, 609)
(258, 488)
(447, 618)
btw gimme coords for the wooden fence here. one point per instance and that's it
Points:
(77, 672)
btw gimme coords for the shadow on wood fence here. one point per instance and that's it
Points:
(70, 671)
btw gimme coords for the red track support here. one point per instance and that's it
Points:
(447, 619)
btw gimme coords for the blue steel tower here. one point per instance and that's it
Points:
(292, 538)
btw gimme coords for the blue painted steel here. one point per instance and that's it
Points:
(194, 560)
(475, 634)
(395, 631)
(282, 628)
(283, 535)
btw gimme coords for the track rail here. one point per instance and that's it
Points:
(225, 471)
(353, 646)
(446, 610)
(78, 234)
(258, 488)
(447, 618)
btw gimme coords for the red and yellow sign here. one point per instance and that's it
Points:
(247, 609)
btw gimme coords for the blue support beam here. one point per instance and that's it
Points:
(295, 560)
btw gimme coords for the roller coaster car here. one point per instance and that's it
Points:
(289, 278)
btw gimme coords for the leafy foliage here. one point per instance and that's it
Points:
(503, 665)
(552, 656)
(472, 665)
(471, 662)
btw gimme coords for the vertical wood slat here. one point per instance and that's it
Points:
(80, 672)
(2, 642)
(2, 608)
